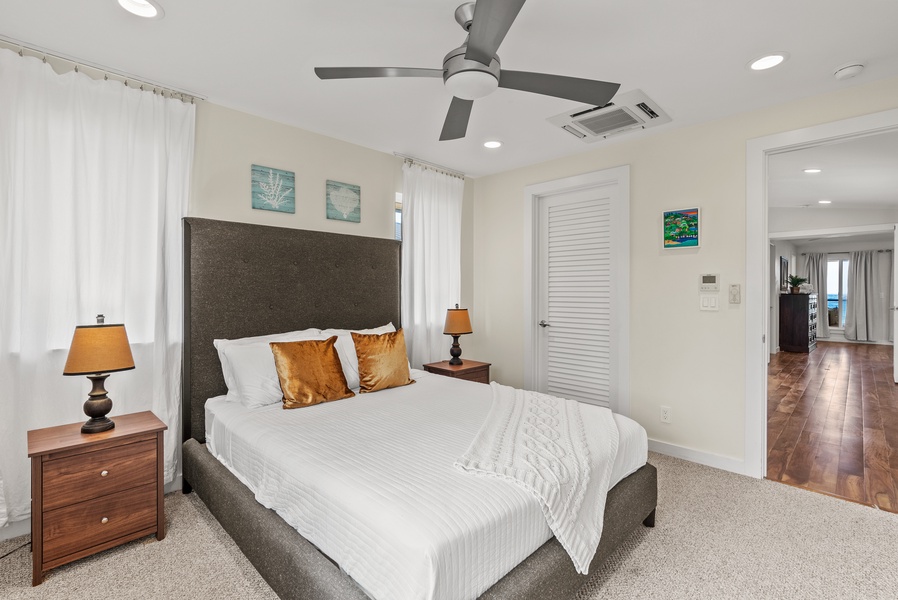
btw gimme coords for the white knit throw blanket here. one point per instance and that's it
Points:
(561, 451)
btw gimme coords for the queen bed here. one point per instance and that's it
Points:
(246, 280)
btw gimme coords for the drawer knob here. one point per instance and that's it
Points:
(104, 473)
(104, 520)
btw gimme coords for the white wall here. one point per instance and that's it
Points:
(228, 142)
(692, 361)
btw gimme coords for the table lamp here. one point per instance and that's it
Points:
(96, 351)
(457, 323)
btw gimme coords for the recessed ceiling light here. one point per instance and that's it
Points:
(492, 144)
(824, 201)
(148, 9)
(812, 170)
(768, 62)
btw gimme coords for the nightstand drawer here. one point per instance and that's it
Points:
(93, 474)
(74, 528)
(480, 375)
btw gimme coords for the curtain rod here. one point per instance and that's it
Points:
(845, 252)
(75, 64)
(434, 166)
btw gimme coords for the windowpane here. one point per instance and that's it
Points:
(832, 293)
(844, 299)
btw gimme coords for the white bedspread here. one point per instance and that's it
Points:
(561, 451)
(370, 481)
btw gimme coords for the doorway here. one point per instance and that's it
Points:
(757, 263)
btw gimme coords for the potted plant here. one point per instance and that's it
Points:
(795, 281)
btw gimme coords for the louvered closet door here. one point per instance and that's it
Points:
(575, 254)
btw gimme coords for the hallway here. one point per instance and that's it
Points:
(832, 422)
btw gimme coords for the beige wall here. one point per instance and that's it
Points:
(229, 141)
(689, 360)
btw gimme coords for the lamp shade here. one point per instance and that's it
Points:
(457, 322)
(99, 349)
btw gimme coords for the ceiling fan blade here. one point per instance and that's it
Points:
(588, 91)
(456, 124)
(359, 72)
(490, 23)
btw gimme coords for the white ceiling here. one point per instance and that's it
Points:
(856, 173)
(689, 56)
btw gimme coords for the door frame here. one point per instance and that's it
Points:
(619, 176)
(757, 239)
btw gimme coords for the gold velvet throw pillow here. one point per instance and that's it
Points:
(383, 361)
(309, 372)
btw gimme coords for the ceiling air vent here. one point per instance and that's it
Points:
(630, 111)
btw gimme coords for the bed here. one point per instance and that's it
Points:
(243, 280)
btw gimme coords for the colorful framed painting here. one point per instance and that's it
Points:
(273, 189)
(682, 228)
(343, 201)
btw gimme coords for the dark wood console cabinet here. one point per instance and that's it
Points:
(798, 322)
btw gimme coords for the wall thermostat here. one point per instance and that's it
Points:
(709, 283)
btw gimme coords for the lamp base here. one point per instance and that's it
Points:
(97, 406)
(455, 352)
(97, 425)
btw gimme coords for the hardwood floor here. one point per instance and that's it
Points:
(832, 422)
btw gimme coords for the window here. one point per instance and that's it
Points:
(398, 233)
(836, 291)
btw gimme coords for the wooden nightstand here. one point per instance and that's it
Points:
(469, 369)
(90, 492)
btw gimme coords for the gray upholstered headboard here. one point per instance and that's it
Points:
(243, 280)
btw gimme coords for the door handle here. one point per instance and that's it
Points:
(544, 324)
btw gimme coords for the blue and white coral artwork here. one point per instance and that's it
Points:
(273, 189)
(344, 201)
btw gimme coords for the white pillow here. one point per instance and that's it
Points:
(248, 366)
(346, 350)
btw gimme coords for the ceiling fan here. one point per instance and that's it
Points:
(473, 69)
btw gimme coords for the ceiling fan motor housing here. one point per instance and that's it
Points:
(470, 79)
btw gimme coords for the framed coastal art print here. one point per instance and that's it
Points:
(682, 228)
(273, 189)
(343, 201)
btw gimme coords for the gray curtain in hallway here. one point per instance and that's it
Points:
(815, 271)
(868, 317)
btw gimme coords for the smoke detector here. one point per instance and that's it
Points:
(847, 71)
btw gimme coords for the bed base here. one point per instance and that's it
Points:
(296, 569)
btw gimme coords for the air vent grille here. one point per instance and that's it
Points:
(647, 110)
(609, 121)
(573, 131)
(630, 111)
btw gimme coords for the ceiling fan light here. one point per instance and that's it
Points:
(470, 85)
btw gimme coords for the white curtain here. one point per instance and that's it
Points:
(431, 258)
(868, 316)
(815, 267)
(94, 179)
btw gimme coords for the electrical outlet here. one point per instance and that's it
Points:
(665, 414)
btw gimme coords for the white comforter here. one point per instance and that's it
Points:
(370, 481)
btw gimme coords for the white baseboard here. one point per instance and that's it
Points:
(15, 529)
(697, 456)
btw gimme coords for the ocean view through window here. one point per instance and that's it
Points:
(836, 291)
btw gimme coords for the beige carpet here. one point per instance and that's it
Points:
(718, 535)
